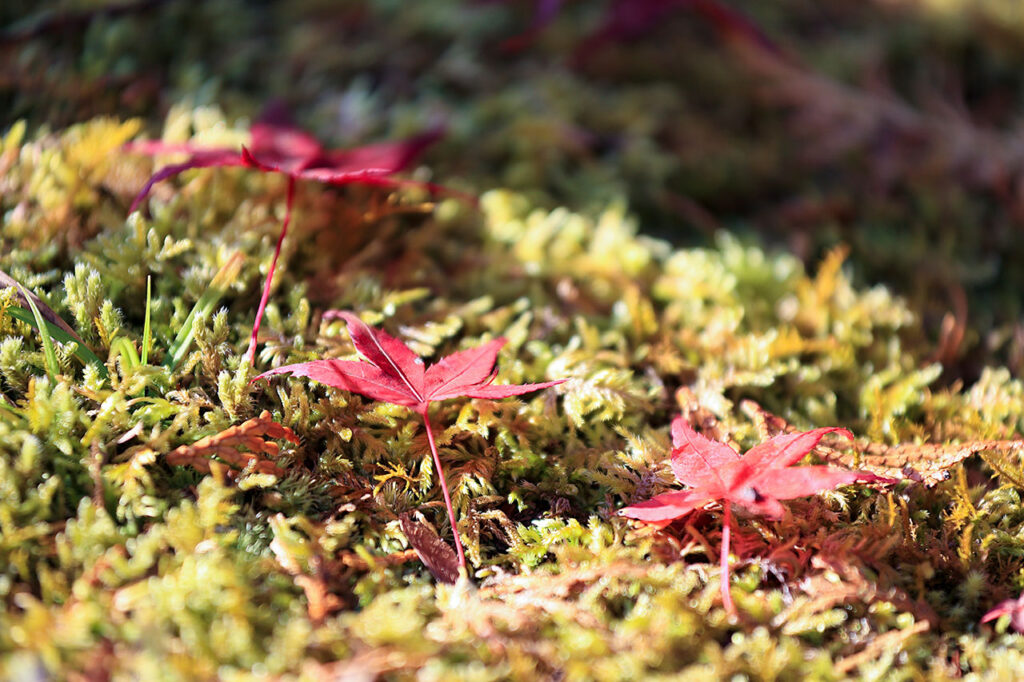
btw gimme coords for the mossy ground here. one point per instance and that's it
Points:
(665, 223)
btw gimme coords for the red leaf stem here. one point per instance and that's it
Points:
(444, 489)
(251, 353)
(724, 578)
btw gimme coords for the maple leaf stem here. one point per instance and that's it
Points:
(251, 353)
(444, 489)
(726, 532)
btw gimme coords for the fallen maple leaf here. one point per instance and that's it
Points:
(1014, 608)
(395, 374)
(278, 146)
(756, 481)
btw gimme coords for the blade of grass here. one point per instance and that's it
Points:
(204, 306)
(126, 349)
(145, 325)
(52, 368)
(47, 312)
(82, 352)
(8, 409)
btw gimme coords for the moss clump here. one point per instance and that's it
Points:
(801, 291)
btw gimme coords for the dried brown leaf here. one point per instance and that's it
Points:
(320, 602)
(435, 554)
(927, 463)
(889, 641)
(353, 560)
(839, 580)
(248, 444)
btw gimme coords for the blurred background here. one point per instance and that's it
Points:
(890, 128)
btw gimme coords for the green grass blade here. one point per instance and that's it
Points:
(145, 325)
(52, 368)
(204, 306)
(82, 353)
(10, 410)
(124, 348)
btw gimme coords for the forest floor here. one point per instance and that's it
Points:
(756, 217)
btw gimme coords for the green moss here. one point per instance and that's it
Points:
(115, 562)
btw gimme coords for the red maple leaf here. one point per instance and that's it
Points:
(278, 146)
(756, 481)
(1014, 608)
(393, 373)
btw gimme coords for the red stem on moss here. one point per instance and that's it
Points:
(251, 353)
(726, 532)
(444, 489)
